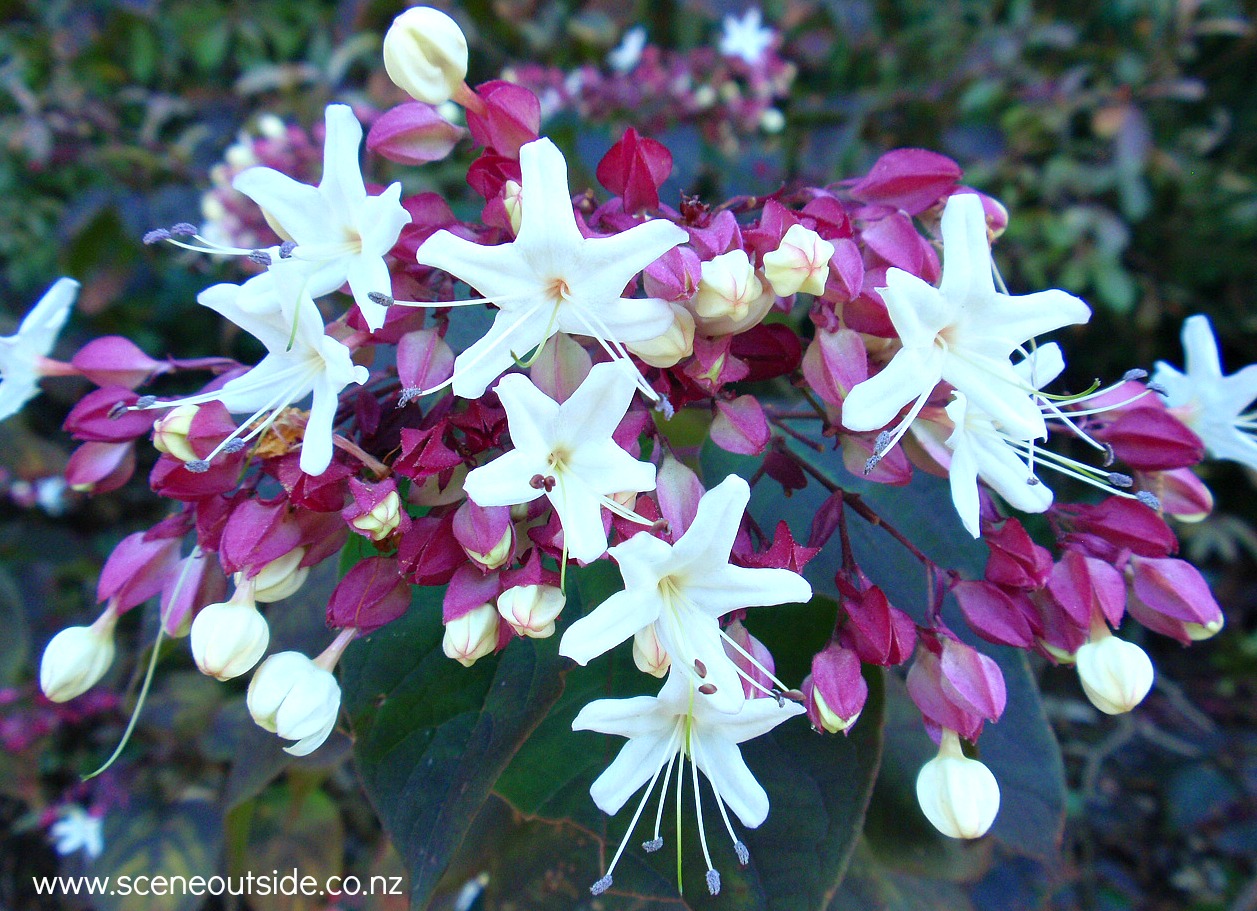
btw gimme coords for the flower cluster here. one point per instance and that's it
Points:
(547, 441)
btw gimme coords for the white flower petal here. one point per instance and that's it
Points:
(721, 761)
(632, 767)
(609, 624)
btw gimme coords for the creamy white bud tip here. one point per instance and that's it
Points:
(425, 54)
(280, 578)
(677, 341)
(1115, 674)
(800, 263)
(383, 519)
(472, 636)
(958, 795)
(228, 639)
(531, 609)
(75, 660)
(170, 433)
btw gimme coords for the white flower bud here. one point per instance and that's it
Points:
(170, 433)
(292, 696)
(531, 609)
(472, 636)
(831, 721)
(425, 54)
(728, 287)
(648, 653)
(677, 341)
(1115, 674)
(383, 520)
(77, 657)
(280, 578)
(230, 637)
(958, 795)
(800, 263)
(513, 200)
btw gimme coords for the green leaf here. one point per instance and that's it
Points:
(295, 830)
(433, 736)
(148, 840)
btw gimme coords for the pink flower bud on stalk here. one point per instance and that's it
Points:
(96, 467)
(425, 54)
(486, 534)
(955, 686)
(560, 367)
(1171, 597)
(835, 690)
(740, 426)
(758, 668)
(77, 657)
(170, 433)
(376, 512)
(424, 360)
(136, 570)
(1115, 674)
(801, 263)
(413, 133)
(1181, 492)
(230, 637)
(297, 697)
(472, 635)
(278, 579)
(648, 653)
(958, 795)
(114, 360)
(673, 346)
(531, 609)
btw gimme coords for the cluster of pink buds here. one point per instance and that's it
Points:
(816, 319)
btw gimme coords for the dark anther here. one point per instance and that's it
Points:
(707, 689)
(1032, 481)
(871, 464)
(661, 525)
(157, 235)
(1158, 389)
(1138, 373)
(1109, 455)
(286, 248)
(197, 466)
(378, 297)
(1148, 499)
(548, 483)
(145, 401)
(1121, 480)
(234, 445)
(118, 410)
(261, 257)
(700, 668)
(537, 482)
(183, 228)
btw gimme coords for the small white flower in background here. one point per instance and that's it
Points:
(78, 830)
(425, 54)
(675, 724)
(683, 589)
(77, 657)
(1115, 674)
(566, 452)
(746, 37)
(551, 278)
(336, 225)
(628, 53)
(295, 697)
(21, 353)
(963, 332)
(1213, 405)
(276, 308)
(958, 795)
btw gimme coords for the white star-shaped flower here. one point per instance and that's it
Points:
(677, 724)
(301, 360)
(683, 589)
(336, 224)
(565, 451)
(625, 56)
(746, 37)
(963, 332)
(1209, 403)
(21, 353)
(78, 830)
(551, 278)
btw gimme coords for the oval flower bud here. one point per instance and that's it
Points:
(531, 609)
(383, 518)
(229, 638)
(170, 433)
(728, 288)
(1115, 674)
(76, 658)
(292, 696)
(472, 636)
(958, 795)
(800, 263)
(648, 653)
(280, 578)
(425, 54)
(677, 341)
